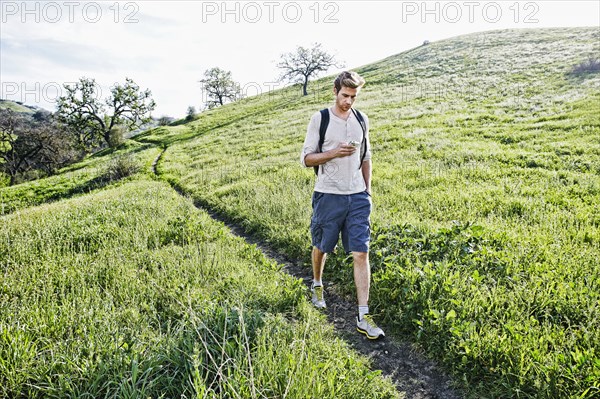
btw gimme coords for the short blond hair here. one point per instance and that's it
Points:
(348, 79)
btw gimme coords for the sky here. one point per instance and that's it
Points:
(166, 46)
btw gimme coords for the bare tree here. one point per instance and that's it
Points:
(300, 65)
(219, 87)
(86, 114)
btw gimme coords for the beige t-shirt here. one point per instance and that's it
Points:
(339, 175)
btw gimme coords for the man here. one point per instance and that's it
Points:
(342, 197)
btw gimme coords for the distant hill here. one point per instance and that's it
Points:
(18, 106)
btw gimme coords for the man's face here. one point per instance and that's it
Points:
(345, 97)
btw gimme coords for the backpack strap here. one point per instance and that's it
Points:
(322, 130)
(363, 146)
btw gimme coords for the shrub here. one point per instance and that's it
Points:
(588, 66)
(122, 167)
(165, 120)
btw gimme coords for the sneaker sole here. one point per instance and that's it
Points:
(373, 338)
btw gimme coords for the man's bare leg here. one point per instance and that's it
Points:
(362, 277)
(318, 263)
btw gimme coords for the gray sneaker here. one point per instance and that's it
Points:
(317, 297)
(368, 327)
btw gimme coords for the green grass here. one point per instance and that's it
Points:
(133, 292)
(504, 139)
(486, 239)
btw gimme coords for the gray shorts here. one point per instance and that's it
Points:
(348, 214)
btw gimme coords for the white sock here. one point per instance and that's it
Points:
(362, 310)
(317, 283)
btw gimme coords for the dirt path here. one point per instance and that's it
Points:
(414, 375)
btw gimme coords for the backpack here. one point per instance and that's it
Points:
(323, 129)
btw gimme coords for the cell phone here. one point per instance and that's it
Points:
(354, 143)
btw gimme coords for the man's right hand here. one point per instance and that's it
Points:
(344, 150)
(319, 158)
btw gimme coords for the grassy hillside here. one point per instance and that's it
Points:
(8, 104)
(103, 169)
(132, 292)
(486, 235)
(486, 185)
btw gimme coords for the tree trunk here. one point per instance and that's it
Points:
(304, 91)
